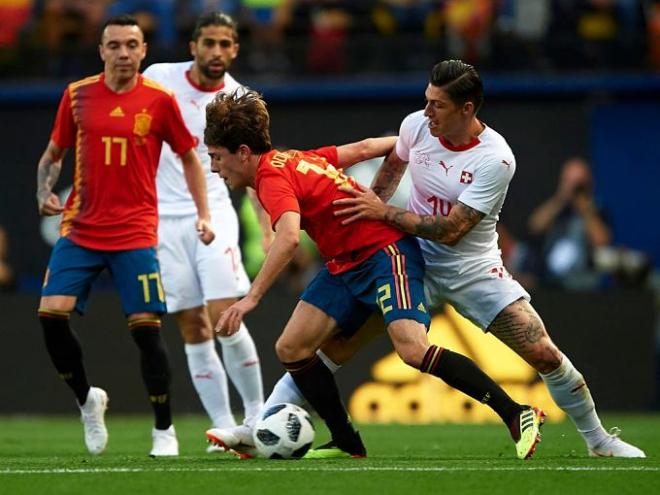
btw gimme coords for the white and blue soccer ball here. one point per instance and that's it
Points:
(284, 431)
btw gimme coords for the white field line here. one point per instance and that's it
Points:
(332, 469)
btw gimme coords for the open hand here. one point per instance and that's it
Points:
(365, 205)
(231, 318)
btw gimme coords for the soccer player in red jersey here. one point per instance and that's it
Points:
(370, 267)
(116, 122)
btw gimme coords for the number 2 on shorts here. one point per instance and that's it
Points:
(384, 293)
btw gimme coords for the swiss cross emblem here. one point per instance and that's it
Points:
(466, 177)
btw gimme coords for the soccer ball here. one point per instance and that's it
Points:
(284, 431)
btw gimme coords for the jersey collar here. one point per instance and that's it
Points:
(214, 89)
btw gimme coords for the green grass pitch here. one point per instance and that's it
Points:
(46, 455)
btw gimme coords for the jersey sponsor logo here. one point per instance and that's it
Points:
(142, 123)
(466, 177)
(117, 112)
(446, 167)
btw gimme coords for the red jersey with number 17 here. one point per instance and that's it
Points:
(307, 183)
(117, 139)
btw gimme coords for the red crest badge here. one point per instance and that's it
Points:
(466, 177)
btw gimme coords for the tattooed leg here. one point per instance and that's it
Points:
(520, 327)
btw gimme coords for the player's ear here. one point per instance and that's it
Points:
(468, 107)
(101, 52)
(236, 49)
(193, 48)
(144, 50)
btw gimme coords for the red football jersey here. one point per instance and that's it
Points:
(307, 182)
(117, 139)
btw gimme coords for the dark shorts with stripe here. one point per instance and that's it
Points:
(391, 281)
(72, 270)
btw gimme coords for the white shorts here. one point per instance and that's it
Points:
(479, 289)
(193, 273)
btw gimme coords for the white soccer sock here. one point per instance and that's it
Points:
(569, 390)
(285, 390)
(210, 381)
(242, 364)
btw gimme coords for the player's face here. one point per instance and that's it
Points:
(122, 50)
(214, 51)
(229, 166)
(445, 117)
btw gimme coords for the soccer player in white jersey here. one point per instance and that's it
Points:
(461, 170)
(200, 281)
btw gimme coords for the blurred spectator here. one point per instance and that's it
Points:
(14, 14)
(78, 21)
(7, 281)
(653, 29)
(469, 24)
(331, 21)
(525, 23)
(267, 21)
(570, 226)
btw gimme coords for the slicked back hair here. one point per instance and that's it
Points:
(460, 81)
(120, 20)
(215, 19)
(238, 118)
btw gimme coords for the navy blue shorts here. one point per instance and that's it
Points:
(135, 272)
(390, 281)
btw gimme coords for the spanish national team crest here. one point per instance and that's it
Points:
(466, 177)
(142, 123)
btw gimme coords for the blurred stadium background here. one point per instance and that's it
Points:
(563, 78)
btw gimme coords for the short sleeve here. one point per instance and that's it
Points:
(490, 182)
(175, 133)
(276, 194)
(405, 138)
(64, 129)
(327, 152)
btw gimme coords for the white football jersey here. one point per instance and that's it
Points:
(174, 199)
(477, 174)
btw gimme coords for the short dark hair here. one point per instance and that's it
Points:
(215, 19)
(460, 81)
(236, 118)
(121, 20)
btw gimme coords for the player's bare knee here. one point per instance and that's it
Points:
(288, 351)
(545, 357)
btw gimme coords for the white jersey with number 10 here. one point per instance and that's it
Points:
(476, 174)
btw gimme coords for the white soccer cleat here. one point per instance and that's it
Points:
(164, 443)
(237, 440)
(613, 446)
(92, 416)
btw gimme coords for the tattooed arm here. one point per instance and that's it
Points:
(389, 175)
(48, 172)
(446, 230)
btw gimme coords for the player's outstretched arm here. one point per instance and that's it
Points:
(194, 174)
(388, 176)
(48, 171)
(350, 154)
(287, 238)
(365, 205)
